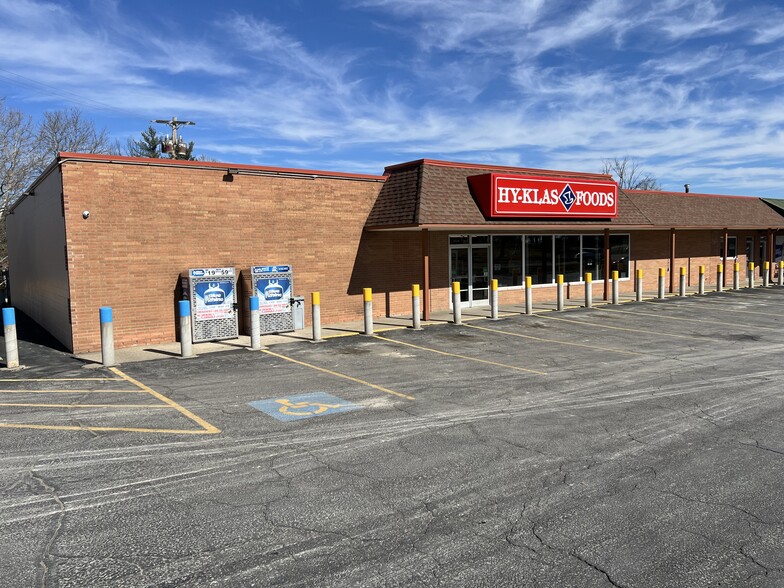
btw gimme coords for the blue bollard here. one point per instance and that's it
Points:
(107, 336)
(11, 348)
(255, 323)
(186, 340)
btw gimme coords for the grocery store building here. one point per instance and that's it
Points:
(98, 230)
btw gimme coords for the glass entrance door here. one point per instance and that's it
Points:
(480, 274)
(470, 266)
(459, 271)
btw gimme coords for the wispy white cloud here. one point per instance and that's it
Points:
(691, 87)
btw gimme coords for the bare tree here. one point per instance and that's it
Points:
(26, 149)
(68, 130)
(628, 174)
(18, 161)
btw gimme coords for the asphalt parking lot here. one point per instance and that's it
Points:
(632, 445)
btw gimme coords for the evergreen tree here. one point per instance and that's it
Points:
(148, 146)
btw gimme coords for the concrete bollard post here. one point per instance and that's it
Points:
(529, 296)
(662, 275)
(415, 307)
(255, 323)
(639, 285)
(367, 297)
(720, 277)
(701, 285)
(682, 283)
(315, 312)
(588, 290)
(751, 274)
(494, 299)
(615, 287)
(559, 300)
(456, 314)
(186, 337)
(766, 275)
(107, 336)
(781, 273)
(11, 345)
(736, 276)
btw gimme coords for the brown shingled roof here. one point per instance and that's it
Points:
(432, 193)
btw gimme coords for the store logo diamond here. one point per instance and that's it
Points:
(567, 197)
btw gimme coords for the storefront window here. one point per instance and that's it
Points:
(539, 258)
(732, 247)
(593, 256)
(508, 260)
(619, 255)
(567, 257)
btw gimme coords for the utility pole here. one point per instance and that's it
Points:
(174, 147)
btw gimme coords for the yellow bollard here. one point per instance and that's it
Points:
(559, 280)
(415, 305)
(456, 314)
(588, 289)
(315, 306)
(494, 299)
(367, 297)
(639, 285)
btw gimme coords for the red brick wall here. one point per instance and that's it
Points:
(148, 224)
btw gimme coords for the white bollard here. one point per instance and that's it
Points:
(529, 297)
(682, 283)
(107, 336)
(751, 274)
(255, 323)
(662, 274)
(559, 302)
(615, 287)
(186, 338)
(367, 297)
(11, 345)
(720, 277)
(494, 299)
(315, 311)
(736, 276)
(588, 290)
(415, 307)
(781, 273)
(456, 314)
(766, 274)
(639, 285)
(701, 285)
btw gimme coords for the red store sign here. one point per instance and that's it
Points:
(505, 196)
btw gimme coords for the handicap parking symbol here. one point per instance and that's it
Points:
(303, 406)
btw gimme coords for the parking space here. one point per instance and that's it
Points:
(588, 447)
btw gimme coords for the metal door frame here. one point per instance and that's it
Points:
(468, 248)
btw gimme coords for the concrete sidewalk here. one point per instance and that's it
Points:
(347, 329)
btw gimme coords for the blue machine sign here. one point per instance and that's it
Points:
(213, 300)
(273, 290)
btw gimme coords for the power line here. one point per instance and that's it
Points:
(73, 97)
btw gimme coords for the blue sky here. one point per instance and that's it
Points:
(691, 89)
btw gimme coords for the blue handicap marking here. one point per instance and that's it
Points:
(303, 406)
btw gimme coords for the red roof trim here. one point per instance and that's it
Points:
(688, 194)
(211, 165)
(490, 167)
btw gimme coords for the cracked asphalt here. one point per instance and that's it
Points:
(631, 445)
